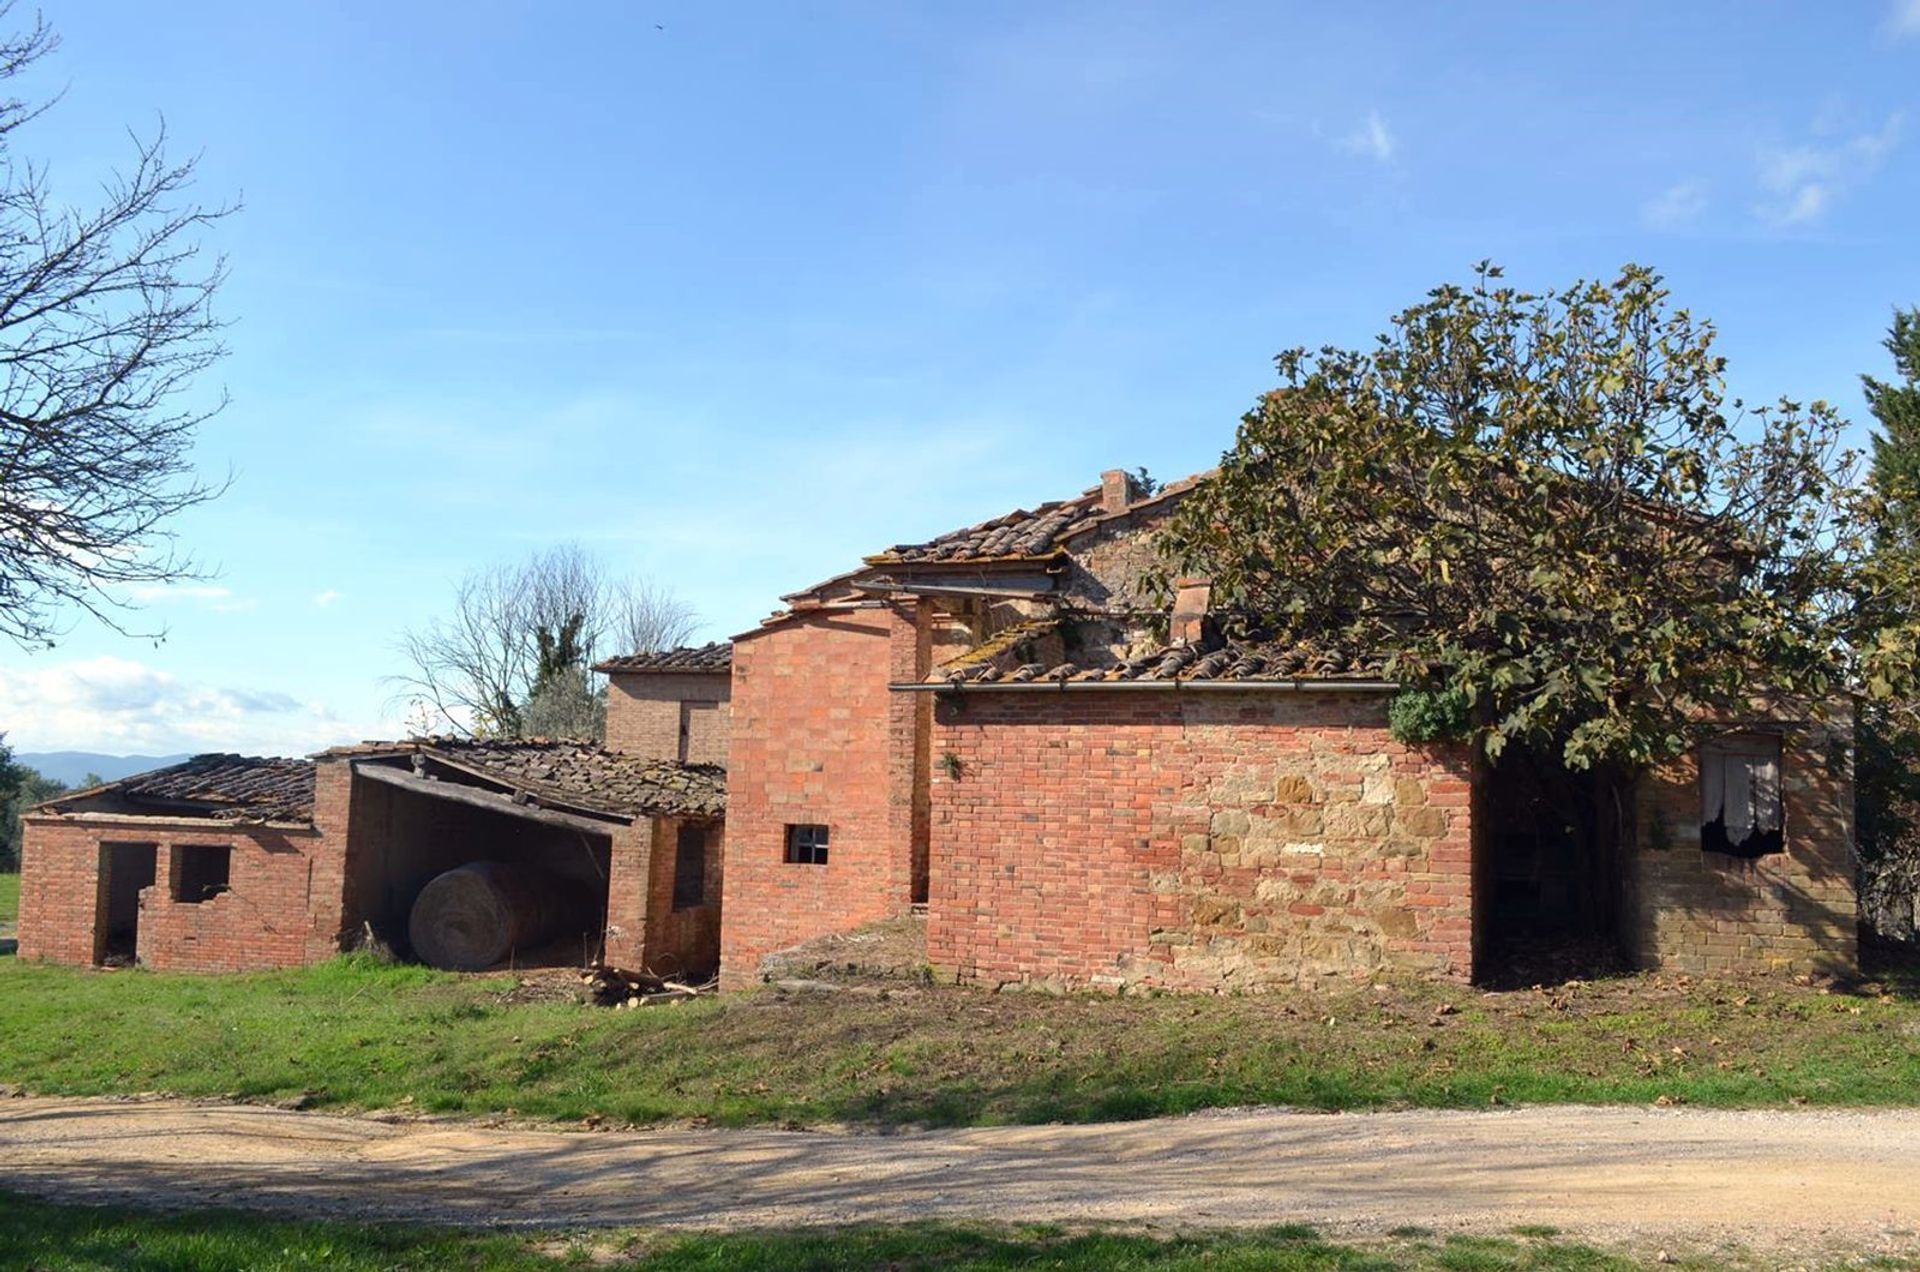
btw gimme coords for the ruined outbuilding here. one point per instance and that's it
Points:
(227, 862)
(1077, 782)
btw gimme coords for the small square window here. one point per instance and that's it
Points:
(690, 868)
(200, 871)
(806, 845)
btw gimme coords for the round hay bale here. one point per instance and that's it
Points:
(475, 915)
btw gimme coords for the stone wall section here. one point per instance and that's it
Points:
(1109, 562)
(1707, 913)
(1197, 841)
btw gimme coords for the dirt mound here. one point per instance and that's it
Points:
(891, 950)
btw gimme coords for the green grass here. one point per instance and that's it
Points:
(58, 1238)
(358, 1034)
(9, 897)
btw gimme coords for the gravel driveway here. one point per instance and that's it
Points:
(1763, 1178)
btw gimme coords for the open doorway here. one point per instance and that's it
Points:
(125, 869)
(1548, 852)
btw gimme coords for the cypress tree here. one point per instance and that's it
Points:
(1896, 446)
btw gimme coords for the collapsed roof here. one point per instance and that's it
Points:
(557, 773)
(229, 788)
(1030, 534)
(585, 775)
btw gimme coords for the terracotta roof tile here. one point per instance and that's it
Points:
(587, 775)
(1184, 664)
(716, 657)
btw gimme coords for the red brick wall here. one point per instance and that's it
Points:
(629, 885)
(683, 942)
(1193, 840)
(818, 739)
(265, 919)
(669, 717)
(1708, 913)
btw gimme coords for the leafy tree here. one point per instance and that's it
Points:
(1545, 505)
(526, 632)
(105, 323)
(21, 787)
(566, 705)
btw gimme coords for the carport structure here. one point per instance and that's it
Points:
(230, 862)
(637, 841)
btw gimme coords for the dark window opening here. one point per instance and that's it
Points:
(1758, 843)
(1740, 806)
(126, 869)
(806, 845)
(200, 872)
(690, 868)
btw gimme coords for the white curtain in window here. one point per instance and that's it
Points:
(1740, 784)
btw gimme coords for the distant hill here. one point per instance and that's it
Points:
(72, 767)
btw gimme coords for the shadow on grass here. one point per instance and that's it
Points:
(61, 1238)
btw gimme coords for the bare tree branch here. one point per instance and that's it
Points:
(649, 617)
(105, 322)
(513, 656)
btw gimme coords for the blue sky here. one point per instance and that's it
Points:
(735, 293)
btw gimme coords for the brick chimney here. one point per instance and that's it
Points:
(1116, 490)
(1191, 601)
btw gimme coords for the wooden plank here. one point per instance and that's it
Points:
(490, 800)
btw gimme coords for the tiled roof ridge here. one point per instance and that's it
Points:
(714, 656)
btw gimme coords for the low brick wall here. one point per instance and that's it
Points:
(1193, 841)
(265, 919)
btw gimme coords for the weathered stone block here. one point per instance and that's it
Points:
(1292, 788)
(1422, 823)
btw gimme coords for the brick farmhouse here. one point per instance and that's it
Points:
(999, 729)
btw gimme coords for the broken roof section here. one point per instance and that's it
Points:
(228, 788)
(715, 658)
(569, 775)
(565, 774)
(588, 776)
(1031, 534)
(1023, 542)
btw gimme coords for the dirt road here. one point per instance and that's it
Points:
(1759, 1177)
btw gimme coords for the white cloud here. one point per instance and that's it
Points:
(220, 600)
(1904, 17)
(1802, 182)
(1372, 139)
(148, 593)
(326, 598)
(119, 706)
(1675, 207)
